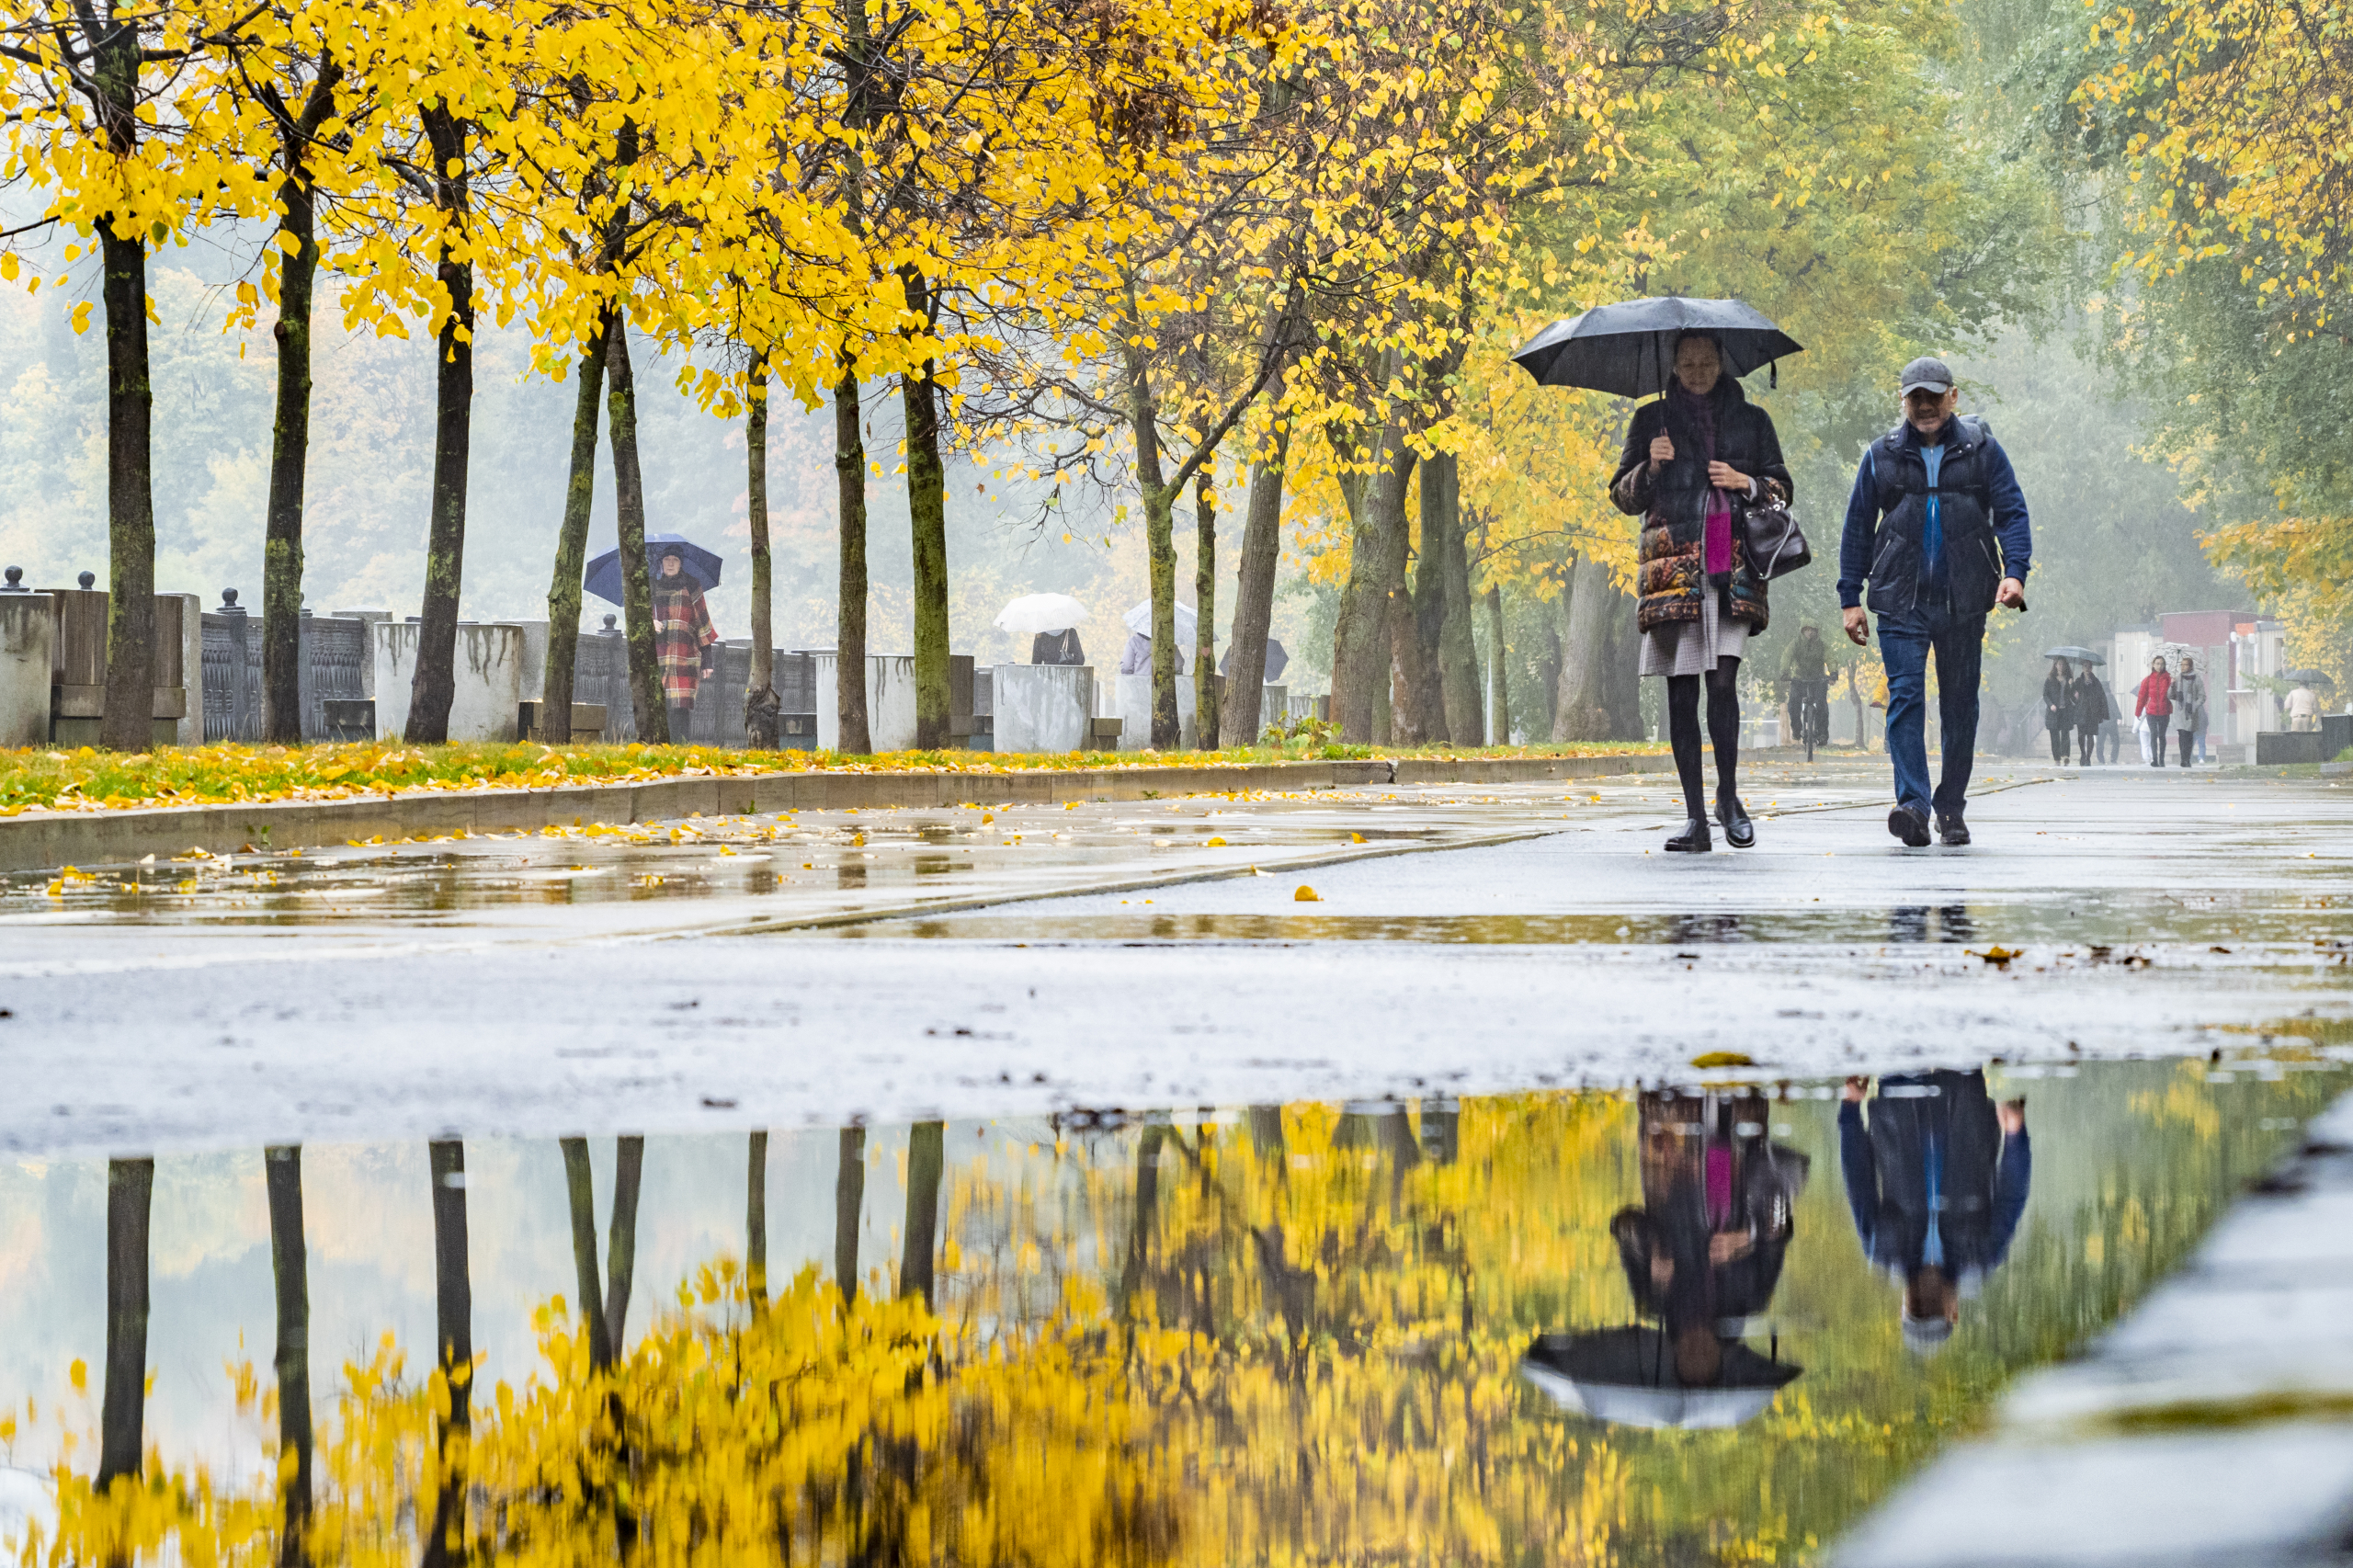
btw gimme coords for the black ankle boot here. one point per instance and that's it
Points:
(1694, 838)
(1739, 832)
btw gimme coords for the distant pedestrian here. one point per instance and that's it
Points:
(2304, 708)
(2189, 710)
(2058, 708)
(683, 642)
(2092, 714)
(2111, 742)
(1060, 647)
(2153, 707)
(1938, 526)
(1691, 459)
(1936, 1180)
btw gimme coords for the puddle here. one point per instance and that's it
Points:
(1541, 1327)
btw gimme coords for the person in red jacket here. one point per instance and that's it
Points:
(2152, 704)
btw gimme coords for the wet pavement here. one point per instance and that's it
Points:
(1534, 1327)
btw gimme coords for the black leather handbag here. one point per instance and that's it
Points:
(1776, 546)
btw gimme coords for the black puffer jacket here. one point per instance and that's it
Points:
(1673, 504)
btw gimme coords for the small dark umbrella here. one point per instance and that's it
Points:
(1629, 348)
(2073, 655)
(1277, 661)
(1627, 1375)
(2307, 678)
(603, 577)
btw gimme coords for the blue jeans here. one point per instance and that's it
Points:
(1905, 643)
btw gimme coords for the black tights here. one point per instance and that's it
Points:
(1723, 729)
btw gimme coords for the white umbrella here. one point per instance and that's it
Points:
(1139, 620)
(1041, 612)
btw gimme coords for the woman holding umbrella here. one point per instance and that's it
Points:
(2059, 707)
(1689, 459)
(682, 634)
(2092, 715)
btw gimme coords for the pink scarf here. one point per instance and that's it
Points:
(1715, 546)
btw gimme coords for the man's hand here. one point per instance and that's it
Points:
(1855, 1090)
(2011, 595)
(1858, 625)
(2011, 1114)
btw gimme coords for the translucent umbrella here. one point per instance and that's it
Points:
(1041, 613)
(1139, 620)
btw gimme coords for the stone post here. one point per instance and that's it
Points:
(28, 658)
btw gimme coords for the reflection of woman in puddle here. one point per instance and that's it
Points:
(1704, 1251)
(1937, 1182)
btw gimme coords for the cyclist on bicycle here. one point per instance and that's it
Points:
(1806, 671)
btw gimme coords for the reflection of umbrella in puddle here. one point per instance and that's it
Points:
(1627, 1375)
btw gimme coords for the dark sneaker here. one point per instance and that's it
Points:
(1911, 825)
(1952, 831)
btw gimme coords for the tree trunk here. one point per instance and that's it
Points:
(760, 699)
(289, 1272)
(1241, 721)
(580, 1190)
(928, 518)
(1416, 714)
(435, 685)
(1160, 544)
(849, 639)
(1363, 648)
(849, 1204)
(926, 1161)
(1499, 687)
(131, 503)
(620, 1252)
(1579, 710)
(131, 1192)
(445, 1540)
(1621, 669)
(1458, 650)
(637, 578)
(571, 543)
(1205, 714)
(755, 1220)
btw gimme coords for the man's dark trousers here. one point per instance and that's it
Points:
(1905, 644)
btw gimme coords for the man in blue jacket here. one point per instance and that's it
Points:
(1938, 524)
(1935, 1181)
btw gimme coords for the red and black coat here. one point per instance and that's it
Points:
(1673, 504)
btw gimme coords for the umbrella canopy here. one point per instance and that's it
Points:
(1629, 348)
(1277, 662)
(1627, 1376)
(603, 577)
(2073, 655)
(2307, 678)
(1041, 613)
(1139, 620)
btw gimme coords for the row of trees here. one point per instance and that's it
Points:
(1106, 248)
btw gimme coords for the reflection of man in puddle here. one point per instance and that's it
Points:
(1704, 1251)
(1937, 1182)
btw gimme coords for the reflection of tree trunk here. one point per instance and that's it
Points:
(130, 1190)
(926, 1161)
(290, 1269)
(1147, 1205)
(849, 1202)
(1266, 1130)
(580, 1189)
(620, 1252)
(755, 1220)
(454, 1334)
(1441, 1130)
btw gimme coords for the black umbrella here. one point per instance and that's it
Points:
(2307, 678)
(1629, 348)
(2073, 655)
(603, 577)
(1627, 1376)
(1277, 660)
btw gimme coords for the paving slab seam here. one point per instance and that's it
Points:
(91, 838)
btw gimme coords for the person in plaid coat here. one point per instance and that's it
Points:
(683, 638)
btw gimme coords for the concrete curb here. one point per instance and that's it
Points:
(95, 839)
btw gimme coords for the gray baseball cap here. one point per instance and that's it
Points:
(1926, 372)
